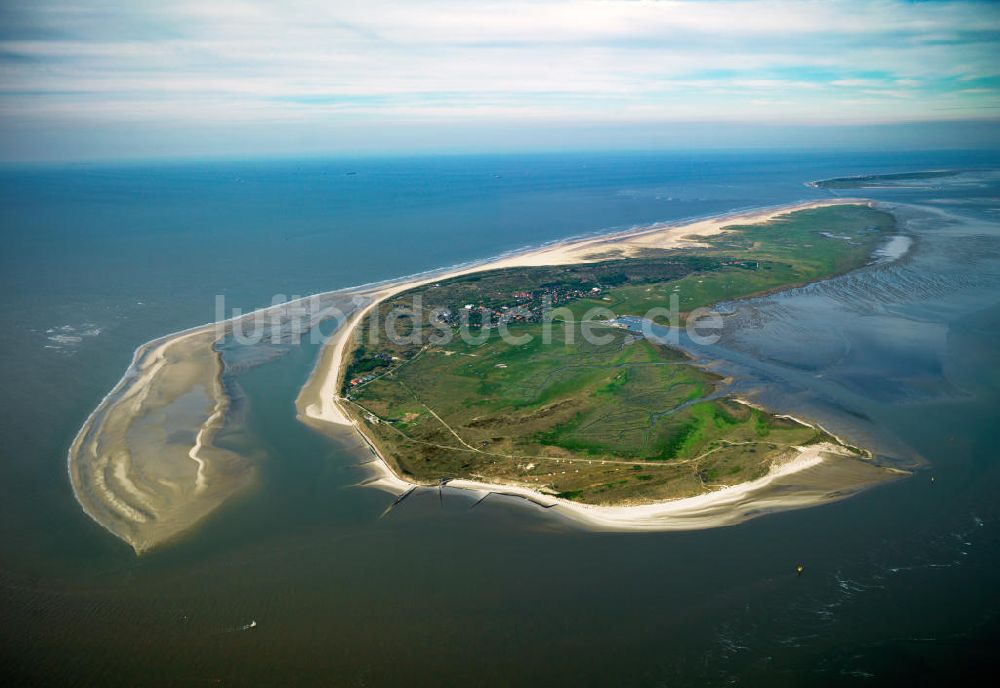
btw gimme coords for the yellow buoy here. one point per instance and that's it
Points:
(799, 569)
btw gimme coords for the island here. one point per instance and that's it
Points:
(555, 393)
(625, 433)
(896, 179)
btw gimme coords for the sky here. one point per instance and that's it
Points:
(107, 79)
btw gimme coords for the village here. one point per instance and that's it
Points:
(524, 307)
(521, 307)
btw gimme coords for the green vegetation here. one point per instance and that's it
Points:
(620, 421)
(570, 417)
(794, 249)
(517, 295)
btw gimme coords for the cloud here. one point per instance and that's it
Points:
(269, 62)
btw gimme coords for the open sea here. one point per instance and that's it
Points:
(300, 582)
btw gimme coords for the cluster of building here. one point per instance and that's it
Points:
(522, 307)
(382, 357)
(526, 307)
(748, 264)
(355, 381)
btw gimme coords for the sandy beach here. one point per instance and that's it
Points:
(809, 476)
(144, 464)
(127, 470)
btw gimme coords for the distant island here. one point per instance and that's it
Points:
(894, 179)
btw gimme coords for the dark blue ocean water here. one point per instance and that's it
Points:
(96, 260)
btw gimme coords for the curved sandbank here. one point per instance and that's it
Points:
(145, 466)
(806, 476)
